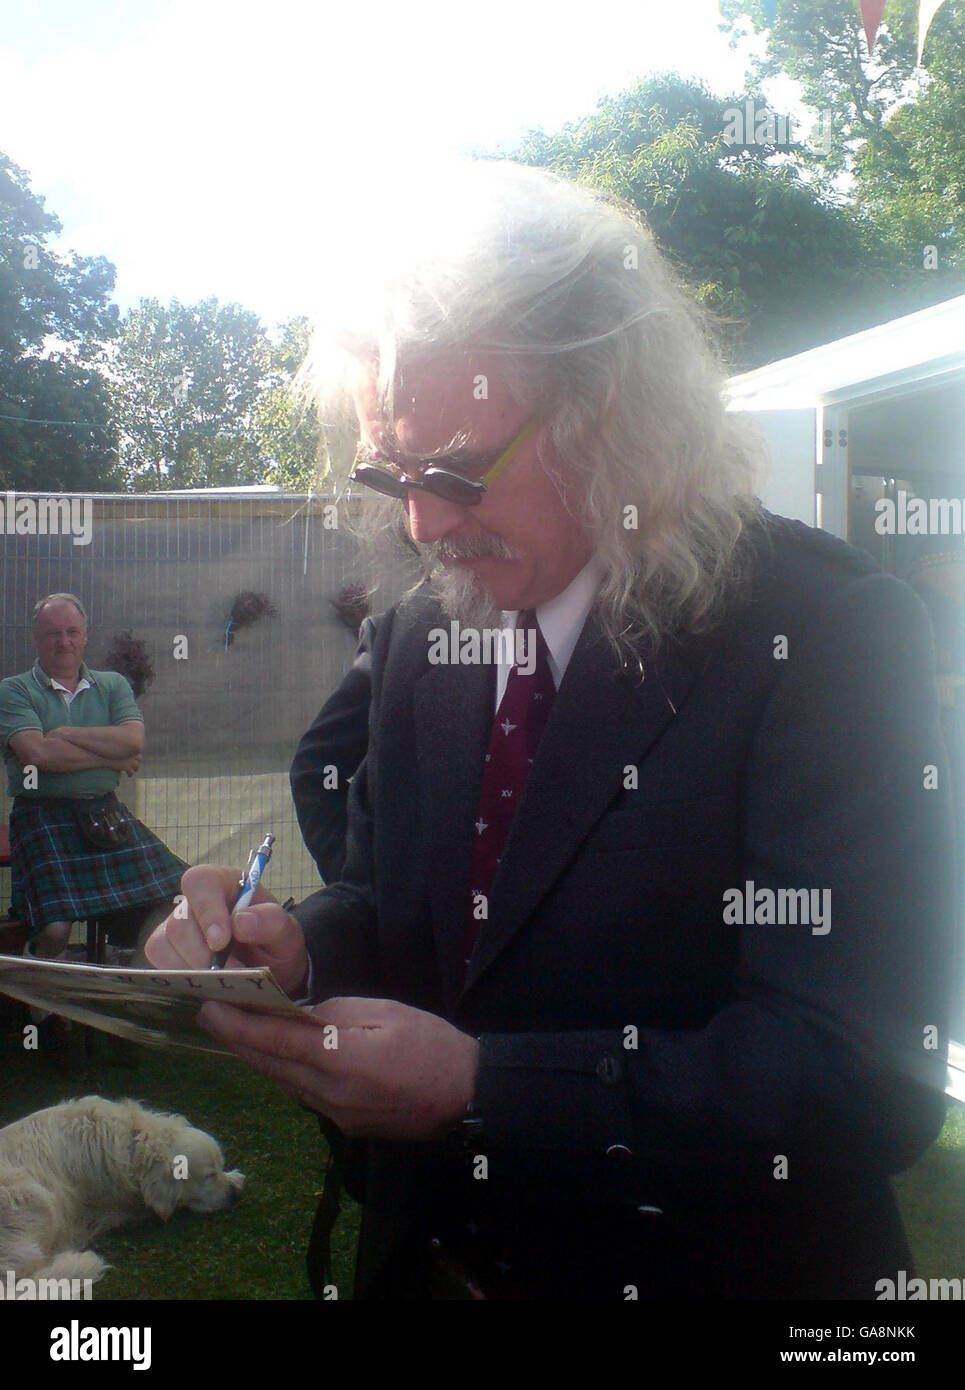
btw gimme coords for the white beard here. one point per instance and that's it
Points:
(463, 597)
(458, 588)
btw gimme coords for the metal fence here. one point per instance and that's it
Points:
(222, 719)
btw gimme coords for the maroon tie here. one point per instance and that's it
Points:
(517, 729)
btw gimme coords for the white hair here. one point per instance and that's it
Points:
(594, 333)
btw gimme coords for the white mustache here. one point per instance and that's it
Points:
(472, 548)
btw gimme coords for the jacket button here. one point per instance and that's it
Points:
(608, 1071)
(619, 1151)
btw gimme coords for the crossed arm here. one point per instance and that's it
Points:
(73, 748)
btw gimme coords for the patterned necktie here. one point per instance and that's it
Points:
(516, 732)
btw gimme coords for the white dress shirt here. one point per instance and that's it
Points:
(561, 621)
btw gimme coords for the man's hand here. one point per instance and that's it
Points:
(202, 925)
(378, 1068)
(129, 764)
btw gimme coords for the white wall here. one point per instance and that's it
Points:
(789, 487)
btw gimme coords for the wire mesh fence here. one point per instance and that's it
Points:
(225, 710)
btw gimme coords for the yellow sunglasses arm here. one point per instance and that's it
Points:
(489, 478)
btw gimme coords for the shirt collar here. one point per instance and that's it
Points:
(561, 618)
(50, 683)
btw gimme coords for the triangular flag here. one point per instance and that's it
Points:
(871, 12)
(770, 10)
(927, 9)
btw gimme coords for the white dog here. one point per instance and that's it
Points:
(87, 1166)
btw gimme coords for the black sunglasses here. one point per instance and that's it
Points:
(441, 482)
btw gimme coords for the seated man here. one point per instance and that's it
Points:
(67, 734)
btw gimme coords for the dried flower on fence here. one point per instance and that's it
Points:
(128, 655)
(247, 608)
(352, 606)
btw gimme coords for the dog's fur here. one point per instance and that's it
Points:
(87, 1166)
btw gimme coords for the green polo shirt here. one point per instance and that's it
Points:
(31, 702)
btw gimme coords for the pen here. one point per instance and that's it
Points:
(257, 863)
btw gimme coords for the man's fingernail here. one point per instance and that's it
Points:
(218, 936)
(245, 920)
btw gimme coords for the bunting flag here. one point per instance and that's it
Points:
(927, 9)
(871, 11)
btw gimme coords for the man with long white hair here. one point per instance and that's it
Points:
(636, 957)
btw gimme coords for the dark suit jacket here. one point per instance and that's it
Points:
(338, 738)
(671, 1101)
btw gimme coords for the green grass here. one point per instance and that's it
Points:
(254, 1251)
(932, 1200)
(257, 1250)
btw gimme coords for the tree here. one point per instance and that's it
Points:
(287, 428)
(189, 381)
(899, 146)
(55, 324)
(786, 265)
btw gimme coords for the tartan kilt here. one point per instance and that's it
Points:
(56, 876)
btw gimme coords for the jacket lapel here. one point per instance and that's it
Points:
(453, 717)
(602, 719)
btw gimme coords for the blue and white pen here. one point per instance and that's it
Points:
(257, 863)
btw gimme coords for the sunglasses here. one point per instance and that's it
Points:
(447, 483)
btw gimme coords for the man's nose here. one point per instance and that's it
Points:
(431, 517)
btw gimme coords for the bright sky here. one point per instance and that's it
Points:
(217, 147)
